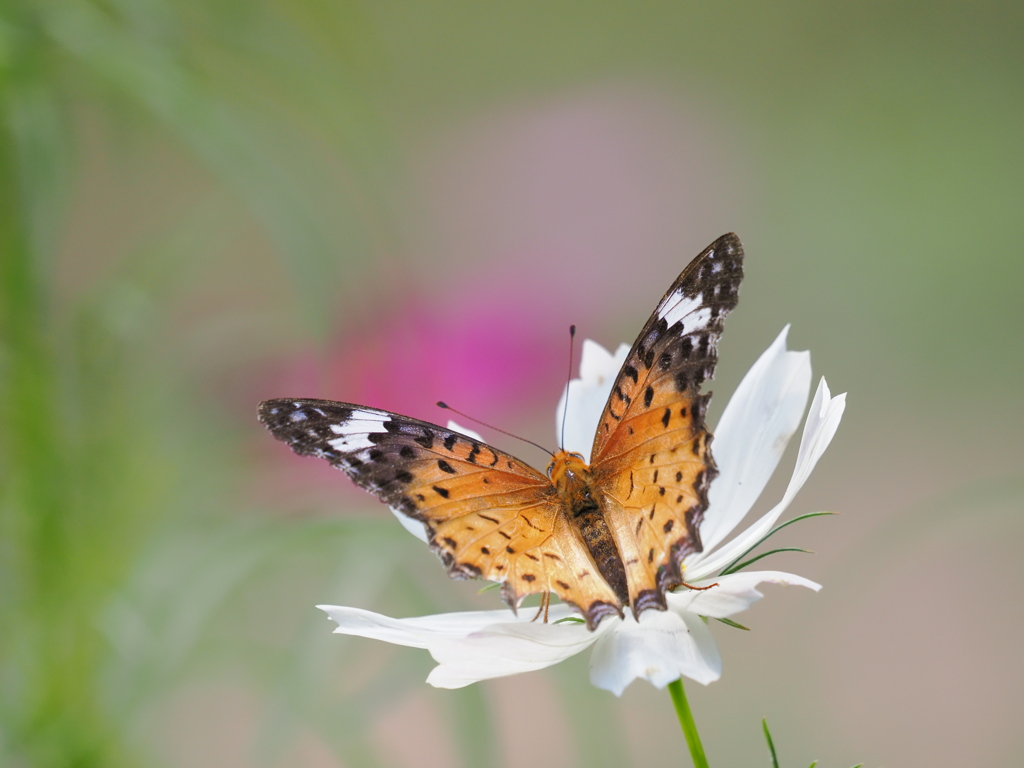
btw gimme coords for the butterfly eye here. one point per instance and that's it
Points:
(551, 468)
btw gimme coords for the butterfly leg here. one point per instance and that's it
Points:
(698, 589)
(545, 604)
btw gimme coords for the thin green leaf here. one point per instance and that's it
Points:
(730, 567)
(488, 588)
(771, 746)
(731, 623)
(570, 620)
(813, 764)
(753, 560)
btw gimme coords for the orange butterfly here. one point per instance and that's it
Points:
(602, 536)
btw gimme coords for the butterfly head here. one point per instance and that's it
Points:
(570, 474)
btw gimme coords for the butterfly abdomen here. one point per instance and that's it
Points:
(590, 522)
(571, 478)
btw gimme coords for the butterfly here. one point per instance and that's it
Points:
(602, 536)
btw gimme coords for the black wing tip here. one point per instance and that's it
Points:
(728, 252)
(728, 246)
(670, 575)
(276, 412)
(649, 599)
(730, 241)
(268, 412)
(598, 610)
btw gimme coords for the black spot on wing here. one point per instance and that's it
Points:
(622, 395)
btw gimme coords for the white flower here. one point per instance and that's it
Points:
(751, 437)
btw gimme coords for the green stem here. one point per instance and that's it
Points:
(689, 727)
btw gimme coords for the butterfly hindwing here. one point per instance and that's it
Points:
(651, 457)
(487, 514)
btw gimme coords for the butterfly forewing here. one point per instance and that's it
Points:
(651, 456)
(487, 514)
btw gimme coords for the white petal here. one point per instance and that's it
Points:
(822, 422)
(661, 647)
(587, 395)
(416, 632)
(508, 648)
(415, 527)
(752, 435)
(734, 593)
(464, 430)
(474, 645)
(596, 363)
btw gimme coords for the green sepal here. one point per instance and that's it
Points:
(732, 566)
(731, 623)
(753, 560)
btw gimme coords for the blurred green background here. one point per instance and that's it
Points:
(206, 204)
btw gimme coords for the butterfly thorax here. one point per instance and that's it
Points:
(572, 479)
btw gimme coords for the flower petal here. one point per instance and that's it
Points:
(734, 593)
(819, 429)
(508, 648)
(752, 435)
(454, 427)
(822, 422)
(415, 527)
(416, 632)
(661, 647)
(587, 396)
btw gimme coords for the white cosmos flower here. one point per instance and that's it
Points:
(755, 428)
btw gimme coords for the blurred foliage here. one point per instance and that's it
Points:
(882, 143)
(94, 460)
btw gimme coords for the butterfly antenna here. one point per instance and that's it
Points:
(442, 404)
(568, 380)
